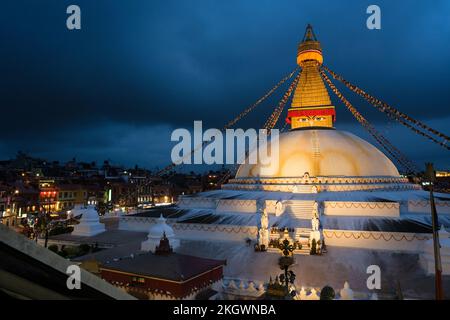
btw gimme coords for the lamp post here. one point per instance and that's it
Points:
(46, 217)
(45, 222)
(430, 176)
(285, 262)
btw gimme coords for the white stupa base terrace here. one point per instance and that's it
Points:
(394, 241)
(381, 220)
(320, 184)
(427, 256)
(90, 224)
(372, 203)
(88, 230)
(427, 261)
(333, 268)
(369, 223)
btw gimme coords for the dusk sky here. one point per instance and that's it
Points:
(139, 69)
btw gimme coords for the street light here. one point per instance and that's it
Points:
(279, 289)
(285, 262)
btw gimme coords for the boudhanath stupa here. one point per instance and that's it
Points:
(331, 188)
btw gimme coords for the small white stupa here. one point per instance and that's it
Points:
(89, 223)
(346, 292)
(156, 232)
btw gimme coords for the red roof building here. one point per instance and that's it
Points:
(160, 275)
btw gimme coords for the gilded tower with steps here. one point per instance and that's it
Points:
(311, 104)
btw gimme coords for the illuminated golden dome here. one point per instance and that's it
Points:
(323, 152)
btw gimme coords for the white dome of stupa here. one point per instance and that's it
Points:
(156, 232)
(323, 152)
(88, 212)
(89, 223)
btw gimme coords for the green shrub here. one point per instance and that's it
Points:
(63, 253)
(327, 293)
(313, 247)
(60, 230)
(84, 248)
(53, 248)
(70, 252)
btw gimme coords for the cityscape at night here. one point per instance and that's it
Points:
(223, 156)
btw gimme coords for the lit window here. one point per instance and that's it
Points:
(139, 280)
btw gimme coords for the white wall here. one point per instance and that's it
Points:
(192, 230)
(442, 207)
(347, 208)
(248, 206)
(396, 241)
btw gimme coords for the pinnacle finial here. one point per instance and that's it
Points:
(309, 34)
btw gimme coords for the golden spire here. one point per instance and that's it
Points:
(311, 104)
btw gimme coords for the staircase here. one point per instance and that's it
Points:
(305, 250)
(302, 235)
(303, 188)
(315, 145)
(300, 209)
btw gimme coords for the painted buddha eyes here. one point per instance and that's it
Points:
(312, 118)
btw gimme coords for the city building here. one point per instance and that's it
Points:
(48, 196)
(70, 195)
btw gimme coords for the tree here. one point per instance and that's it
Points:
(327, 293)
(84, 248)
(53, 248)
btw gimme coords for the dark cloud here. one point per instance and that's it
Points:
(142, 65)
